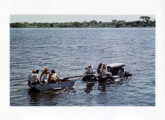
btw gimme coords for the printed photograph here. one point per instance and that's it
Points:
(82, 60)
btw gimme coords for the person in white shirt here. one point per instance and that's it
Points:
(38, 77)
(33, 77)
(45, 75)
(104, 72)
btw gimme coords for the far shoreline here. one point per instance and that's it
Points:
(143, 22)
(79, 27)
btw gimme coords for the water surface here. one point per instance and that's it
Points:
(69, 50)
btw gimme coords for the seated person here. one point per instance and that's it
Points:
(104, 72)
(89, 70)
(38, 78)
(120, 72)
(33, 77)
(45, 75)
(99, 67)
(53, 78)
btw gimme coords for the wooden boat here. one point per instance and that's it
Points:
(52, 86)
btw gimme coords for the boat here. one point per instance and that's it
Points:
(89, 78)
(52, 86)
(118, 73)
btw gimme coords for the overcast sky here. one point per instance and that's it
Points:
(73, 18)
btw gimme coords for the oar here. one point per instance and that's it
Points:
(66, 78)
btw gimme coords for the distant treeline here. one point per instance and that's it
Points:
(144, 21)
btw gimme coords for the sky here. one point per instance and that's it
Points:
(73, 18)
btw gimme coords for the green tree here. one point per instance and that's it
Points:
(76, 24)
(145, 18)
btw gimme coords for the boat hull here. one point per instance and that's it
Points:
(89, 78)
(100, 78)
(52, 86)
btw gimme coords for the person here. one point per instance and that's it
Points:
(127, 74)
(33, 77)
(38, 77)
(104, 72)
(45, 75)
(99, 67)
(89, 70)
(53, 78)
(89, 74)
(120, 73)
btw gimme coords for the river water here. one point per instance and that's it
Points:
(69, 50)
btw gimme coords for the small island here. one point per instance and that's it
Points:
(144, 21)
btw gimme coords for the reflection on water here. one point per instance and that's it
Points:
(102, 86)
(89, 87)
(36, 96)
